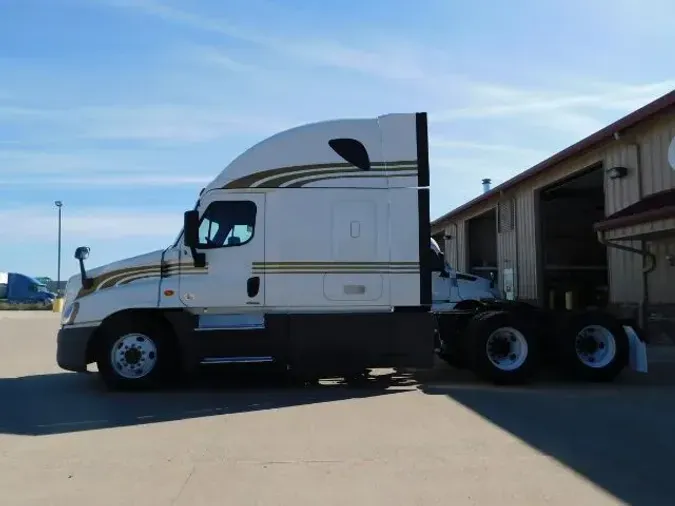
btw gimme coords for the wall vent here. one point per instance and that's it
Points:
(506, 212)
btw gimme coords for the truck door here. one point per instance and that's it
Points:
(232, 238)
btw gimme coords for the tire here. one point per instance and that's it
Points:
(518, 359)
(151, 356)
(592, 346)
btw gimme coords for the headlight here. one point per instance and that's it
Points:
(69, 313)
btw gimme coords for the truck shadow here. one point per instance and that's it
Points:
(66, 402)
(619, 436)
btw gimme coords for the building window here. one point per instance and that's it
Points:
(227, 223)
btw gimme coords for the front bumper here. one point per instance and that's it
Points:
(71, 348)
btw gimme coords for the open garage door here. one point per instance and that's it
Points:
(574, 263)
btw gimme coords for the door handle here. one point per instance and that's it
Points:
(253, 286)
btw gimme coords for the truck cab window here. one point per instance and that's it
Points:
(227, 223)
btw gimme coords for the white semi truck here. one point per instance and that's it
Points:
(311, 251)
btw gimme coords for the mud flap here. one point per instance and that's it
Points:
(637, 356)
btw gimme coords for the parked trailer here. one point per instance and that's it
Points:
(507, 342)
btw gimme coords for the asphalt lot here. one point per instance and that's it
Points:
(248, 441)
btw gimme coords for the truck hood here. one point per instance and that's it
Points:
(109, 273)
(470, 284)
(152, 259)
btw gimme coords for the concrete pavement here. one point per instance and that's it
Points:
(248, 441)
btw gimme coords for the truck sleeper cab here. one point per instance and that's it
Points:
(309, 251)
(19, 288)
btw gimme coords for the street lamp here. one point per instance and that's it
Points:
(59, 205)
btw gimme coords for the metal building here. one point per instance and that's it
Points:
(591, 226)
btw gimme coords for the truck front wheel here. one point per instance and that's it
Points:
(135, 354)
(502, 348)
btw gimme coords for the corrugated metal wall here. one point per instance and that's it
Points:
(655, 175)
(517, 245)
(526, 241)
(455, 245)
(658, 175)
(661, 281)
(507, 245)
(625, 268)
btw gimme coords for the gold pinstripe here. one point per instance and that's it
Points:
(362, 175)
(335, 267)
(333, 264)
(129, 274)
(282, 175)
(340, 271)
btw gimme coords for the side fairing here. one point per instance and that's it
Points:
(405, 136)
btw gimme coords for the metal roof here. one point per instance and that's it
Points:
(657, 206)
(632, 119)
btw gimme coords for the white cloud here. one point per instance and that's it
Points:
(27, 162)
(513, 101)
(645, 18)
(577, 113)
(218, 57)
(111, 168)
(444, 143)
(39, 225)
(386, 61)
(113, 181)
(163, 122)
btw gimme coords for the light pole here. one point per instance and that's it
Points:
(59, 205)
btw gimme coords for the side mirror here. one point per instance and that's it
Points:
(191, 236)
(191, 228)
(82, 253)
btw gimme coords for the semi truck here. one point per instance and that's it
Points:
(311, 252)
(18, 288)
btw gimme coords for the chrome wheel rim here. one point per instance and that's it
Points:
(595, 346)
(133, 356)
(507, 349)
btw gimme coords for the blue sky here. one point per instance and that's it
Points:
(124, 109)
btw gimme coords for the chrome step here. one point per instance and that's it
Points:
(236, 360)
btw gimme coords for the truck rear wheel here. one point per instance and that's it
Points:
(135, 354)
(592, 347)
(502, 348)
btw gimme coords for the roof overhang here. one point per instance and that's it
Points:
(651, 218)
